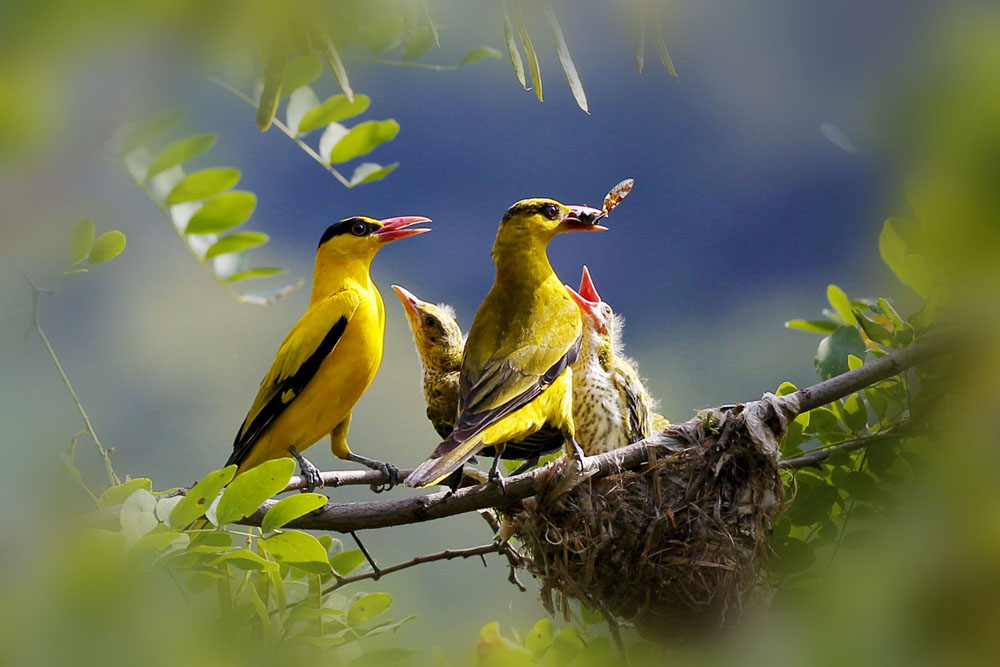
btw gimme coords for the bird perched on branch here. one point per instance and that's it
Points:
(611, 406)
(515, 381)
(330, 356)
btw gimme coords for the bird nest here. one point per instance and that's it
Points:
(676, 548)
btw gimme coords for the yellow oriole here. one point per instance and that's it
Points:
(515, 381)
(330, 356)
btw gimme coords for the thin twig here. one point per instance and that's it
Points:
(815, 457)
(402, 63)
(36, 291)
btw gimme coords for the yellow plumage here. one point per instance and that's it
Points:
(330, 356)
(515, 379)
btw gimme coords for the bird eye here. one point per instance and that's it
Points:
(359, 228)
(551, 211)
(431, 321)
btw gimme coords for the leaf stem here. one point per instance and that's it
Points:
(403, 63)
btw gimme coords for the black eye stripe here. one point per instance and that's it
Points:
(527, 209)
(344, 227)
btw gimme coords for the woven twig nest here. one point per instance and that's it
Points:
(677, 548)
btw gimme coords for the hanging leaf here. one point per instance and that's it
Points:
(300, 72)
(222, 213)
(299, 549)
(640, 39)
(108, 246)
(529, 48)
(513, 52)
(259, 272)
(178, 152)
(274, 72)
(661, 47)
(291, 508)
(369, 172)
(150, 129)
(368, 607)
(203, 184)
(336, 65)
(479, 53)
(244, 559)
(362, 139)
(418, 44)
(565, 59)
(249, 491)
(81, 240)
(236, 242)
(302, 101)
(335, 109)
(381, 33)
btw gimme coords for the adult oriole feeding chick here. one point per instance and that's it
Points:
(515, 381)
(330, 356)
(611, 406)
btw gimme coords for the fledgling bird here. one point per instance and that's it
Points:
(611, 406)
(330, 356)
(515, 381)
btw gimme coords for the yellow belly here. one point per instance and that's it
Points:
(553, 408)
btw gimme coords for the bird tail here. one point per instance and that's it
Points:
(449, 456)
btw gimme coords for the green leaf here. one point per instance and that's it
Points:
(512, 51)
(661, 48)
(302, 101)
(858, 483)
(812, 326)
(529, 48)
(854, 363)
(300, 72)
(786, 388)
(368, 607)
(814, 499)
(196, 501)
(108, 246)
(362, 139)
(418, 44)
(822, 420)
(369, 172)
(244, 559)
(236, 242)
(259, 272)
(335, 109)
(222, 213)
(116, 495)
(841, 304)
(203, 184)
(81, 240)
(855, 413)
(873, 330)
(539, 638)
(831, 356)
(381, 33)
(178, 152)
(567, 645)
(291, 508)
(138, 514)
(478, 53)
(249, 490)
(892, 248)
(298, 549)
(565, 59)
(791, 555)
(347, 561)
(150, 129)
(333, 60)
(274, 73)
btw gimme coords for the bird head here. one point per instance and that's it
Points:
(544, 218)
(362, 237)
(596, 313)
(438, 337)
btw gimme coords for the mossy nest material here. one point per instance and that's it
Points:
(676, 548)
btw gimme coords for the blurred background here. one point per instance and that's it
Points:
(746, 206)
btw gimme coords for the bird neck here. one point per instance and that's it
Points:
(521, 261)
(333, 273)
(596, 347)
(441, 360)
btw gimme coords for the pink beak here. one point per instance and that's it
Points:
(394, 229)
(408, 298)
(589, 309)
(587, 289)
(583, 219)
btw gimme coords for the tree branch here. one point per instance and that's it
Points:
(815, 457)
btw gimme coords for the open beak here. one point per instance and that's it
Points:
(409, 301)
(583, 219)
(393, 229)
(587, 289)
(589, 308)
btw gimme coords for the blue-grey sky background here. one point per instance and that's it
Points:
(741, 215)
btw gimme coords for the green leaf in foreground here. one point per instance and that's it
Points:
(116, 495)
(381, 33)
(222, 213)
(480, 53)
(347, 561)
(565, 59)
(81, 240)
(108, 246)
(368, 607)
(178, 152)
(236, 242)
(369, 172)
(299, 549)
(515, 53)
(196, 501)
(259, 272)
(249, 491)
(291, 508)
(362, 139)
(418, 44)
(203, 184)
(335, 109)
(529, 48)
(300, 72)
(149, 129)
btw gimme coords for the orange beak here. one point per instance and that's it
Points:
(393, 229)
(409, 301)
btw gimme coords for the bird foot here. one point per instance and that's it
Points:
(578, 452)
(495, 475)
(307, 471)
(387, 469)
